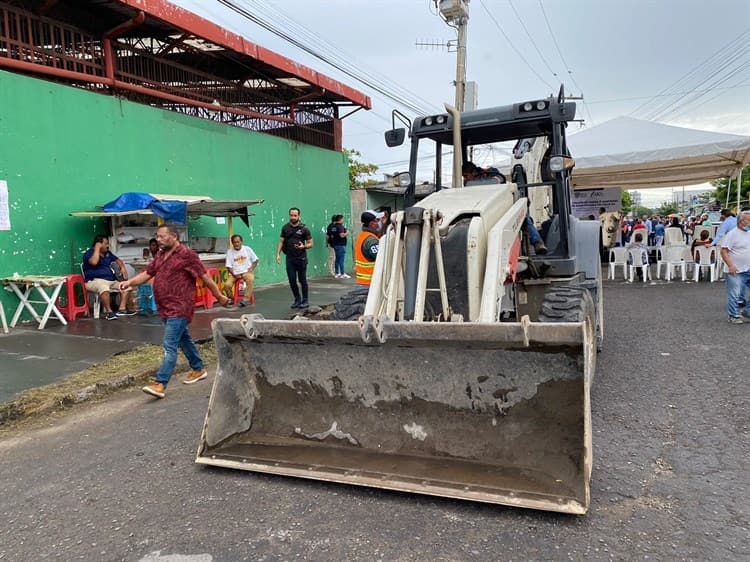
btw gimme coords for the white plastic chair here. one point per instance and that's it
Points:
(618, 257)
(3, 319)
(720, 265)
(699, 229)
(94, 297)
(705, 254)
(635, 260)
(673, 236)
(671, 257)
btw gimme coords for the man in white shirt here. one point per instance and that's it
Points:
(241, 263)
(735, 251)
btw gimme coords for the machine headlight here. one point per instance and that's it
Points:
(440, 119)
(541, 105)
(402, 179)
(560, 163)
(428, 121)
(528, 106)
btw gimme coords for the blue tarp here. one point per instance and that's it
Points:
(170, 211)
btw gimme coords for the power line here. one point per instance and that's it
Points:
(652, 96)
(352, 73)
(662, 112)
(682, 107)
(712, 98)
(531, 38)
(562, 58)
(658, 111)
(519, 53)
(718, 55)
(332, 50)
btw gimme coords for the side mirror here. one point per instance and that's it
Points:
(395, 137)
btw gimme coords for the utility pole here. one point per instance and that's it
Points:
(456, 14)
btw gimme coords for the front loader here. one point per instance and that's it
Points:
(467, 375)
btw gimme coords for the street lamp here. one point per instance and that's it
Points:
(456, 13)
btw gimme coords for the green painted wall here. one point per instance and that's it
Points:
(63, 149)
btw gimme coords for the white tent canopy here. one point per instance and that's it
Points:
(635, 154)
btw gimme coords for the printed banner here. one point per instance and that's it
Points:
(588, 202)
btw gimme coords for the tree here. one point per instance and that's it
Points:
(627, 202)
(640, 210)
(359, 171)
(720, 186)
(667, 208)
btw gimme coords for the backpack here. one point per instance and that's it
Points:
(331, 233)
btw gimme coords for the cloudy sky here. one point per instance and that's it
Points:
(681, 62)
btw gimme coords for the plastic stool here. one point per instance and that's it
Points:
(68, 303)
(146, 301)
(208, 298)
(200, 293)
(239, 292)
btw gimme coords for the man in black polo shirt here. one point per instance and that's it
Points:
(294, 242)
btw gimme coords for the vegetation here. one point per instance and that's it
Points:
(720, 186)
(640, 210)
(124, 370)
(667, 208)
(359, 171)
(627, 202)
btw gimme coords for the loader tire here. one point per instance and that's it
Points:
(352, 305)
(566, 303)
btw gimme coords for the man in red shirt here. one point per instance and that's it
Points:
(175, 270)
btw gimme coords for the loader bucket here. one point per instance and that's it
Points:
(495, 413)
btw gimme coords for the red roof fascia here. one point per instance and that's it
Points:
(190, 22)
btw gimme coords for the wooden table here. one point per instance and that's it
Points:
(47, 286)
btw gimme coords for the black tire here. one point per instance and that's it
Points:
(352, 305)
(567, 303)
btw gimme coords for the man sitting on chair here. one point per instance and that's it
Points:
(100, 277)
(241, 262)
(473, 173)
(638, 244)
(705, 241)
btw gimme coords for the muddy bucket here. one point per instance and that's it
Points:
(495, 413)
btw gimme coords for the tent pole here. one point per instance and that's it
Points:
(729, 190)
(739, 189)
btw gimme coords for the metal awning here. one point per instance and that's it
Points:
(197, 206)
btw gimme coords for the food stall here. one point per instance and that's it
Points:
(130, 229)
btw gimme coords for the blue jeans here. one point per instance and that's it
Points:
(534, 236)
(176, 335)
(340, 252)
(737, 287)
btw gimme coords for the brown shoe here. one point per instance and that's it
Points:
(195, 376)
(155, 389)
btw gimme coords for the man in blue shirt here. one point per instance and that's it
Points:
(658, 232)
(650, 228)
(728, 223)
(101, 279)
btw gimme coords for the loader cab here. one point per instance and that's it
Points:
(546, 176)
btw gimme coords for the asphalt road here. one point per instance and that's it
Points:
(117, 481)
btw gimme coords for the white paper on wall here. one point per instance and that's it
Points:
(4, 207)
